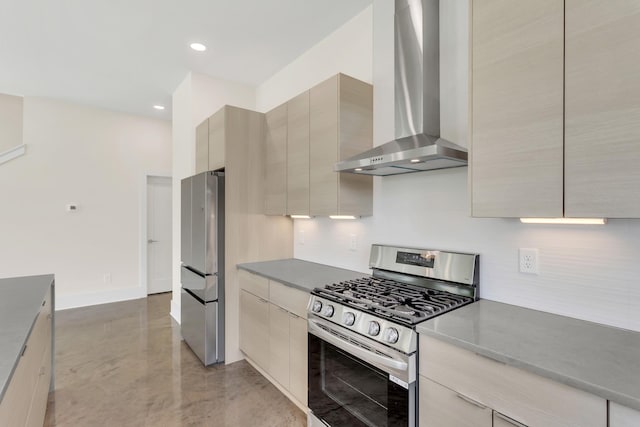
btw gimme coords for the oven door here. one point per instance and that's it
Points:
(354, 381)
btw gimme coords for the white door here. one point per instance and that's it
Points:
(159, 246)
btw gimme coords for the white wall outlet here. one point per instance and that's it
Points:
(301, 237)
(353, 242)
(529, 260)
(71, 207)
(106, 278)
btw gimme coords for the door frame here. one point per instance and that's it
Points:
(143, 246)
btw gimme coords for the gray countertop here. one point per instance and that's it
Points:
(303, 275)
(599, 359)
(20, 301)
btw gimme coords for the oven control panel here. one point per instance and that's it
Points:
(373, 327)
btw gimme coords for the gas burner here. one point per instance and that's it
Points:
(396, 301)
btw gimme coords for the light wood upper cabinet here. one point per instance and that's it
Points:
(298, 155)
(275, 193)
(202, 147)
(341, 125)
(210, 142)
(217, 140)
(517, 108)
(602, 113)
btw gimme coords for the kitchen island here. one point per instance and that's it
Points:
(26, 348)
(589, 357)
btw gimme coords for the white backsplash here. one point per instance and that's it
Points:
(587, 272)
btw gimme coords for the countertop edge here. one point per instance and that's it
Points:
(6, 383)
(248, 268)
(604, 393)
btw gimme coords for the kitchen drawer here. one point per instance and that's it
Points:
(291, 299)
(254, 284)
(441, 407)
(520, 395)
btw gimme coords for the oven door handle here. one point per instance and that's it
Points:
(354, 349)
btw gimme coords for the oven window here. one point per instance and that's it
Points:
(346, 391)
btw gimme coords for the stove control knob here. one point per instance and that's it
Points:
(327, 311)
(391, 335)
(349, 318)
(374, 328)
(316, 307)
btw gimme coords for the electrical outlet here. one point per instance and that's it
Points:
(529, 260)
(106, 278)
(301, 237)
(353, 242)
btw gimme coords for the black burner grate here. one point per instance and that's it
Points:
(393, 300)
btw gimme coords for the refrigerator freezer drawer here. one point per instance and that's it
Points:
(204, 287)
(201, 329)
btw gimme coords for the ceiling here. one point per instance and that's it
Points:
(127, 55)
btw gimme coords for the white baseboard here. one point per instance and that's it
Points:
(175, 310)
(64, 302)
(13, 153)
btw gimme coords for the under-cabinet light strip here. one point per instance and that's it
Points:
(578, 221)
(342, 217)
(300, 216)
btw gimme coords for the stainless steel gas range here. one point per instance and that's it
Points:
(362, 337)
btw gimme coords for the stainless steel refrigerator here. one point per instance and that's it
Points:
(202, 272)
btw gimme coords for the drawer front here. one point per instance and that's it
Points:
(441, 407)
(291, 299)
(520, 395)
(254, 284)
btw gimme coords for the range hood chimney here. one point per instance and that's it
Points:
(418, 146)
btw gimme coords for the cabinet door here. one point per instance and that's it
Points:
(298, 358)
(298, 155)
(275, 197)
(254, 328)
(279, 344)
(441, 407)
(355, 192)
(217, 138)
(622, 416)
(602, 139)
(202, 147)
(517, 114)
(323, 148)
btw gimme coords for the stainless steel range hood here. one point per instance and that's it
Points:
(418, 146)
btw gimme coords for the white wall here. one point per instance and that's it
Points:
(588, 272)
(10, 121)
(97, 159)
(194, 100)
(347, 50)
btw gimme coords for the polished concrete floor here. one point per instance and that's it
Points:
(124, 364)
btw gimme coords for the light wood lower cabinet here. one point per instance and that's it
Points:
(298, 357)
(254, 328)
(25, 400)
(622, 416)
(501, 420)
(273, 332)
(441, 407)
(279, 344)
(519, 395)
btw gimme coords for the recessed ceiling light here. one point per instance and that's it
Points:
(198, 47)
(159, 107)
